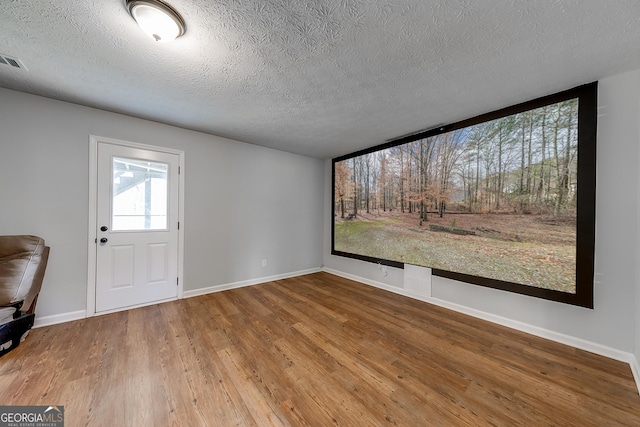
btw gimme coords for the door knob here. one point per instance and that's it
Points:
(104, 240)
(104, 228)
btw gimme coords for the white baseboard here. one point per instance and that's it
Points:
(635, 369)
(579, 343)
(370, 282)
(41, 321)
(250, 282)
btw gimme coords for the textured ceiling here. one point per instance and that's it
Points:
(319, 78)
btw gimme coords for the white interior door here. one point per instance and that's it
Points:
(137, 226)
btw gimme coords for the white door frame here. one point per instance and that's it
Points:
(93, 199)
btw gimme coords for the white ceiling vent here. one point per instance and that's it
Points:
(11, 61)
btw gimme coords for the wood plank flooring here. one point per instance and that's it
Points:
(315, 350)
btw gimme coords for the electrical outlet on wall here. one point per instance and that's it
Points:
(264, 262)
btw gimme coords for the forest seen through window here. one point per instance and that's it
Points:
(497, 199)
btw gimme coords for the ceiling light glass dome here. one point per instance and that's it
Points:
(157, 19)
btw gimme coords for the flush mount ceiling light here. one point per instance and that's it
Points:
(156, 18)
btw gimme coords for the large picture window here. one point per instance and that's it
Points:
(504, 200)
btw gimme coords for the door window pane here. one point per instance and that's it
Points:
(139, 195)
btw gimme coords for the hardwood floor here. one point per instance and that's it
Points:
(314, 350)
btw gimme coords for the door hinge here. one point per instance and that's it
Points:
(178, 170)
(178, 225)
(177, 281)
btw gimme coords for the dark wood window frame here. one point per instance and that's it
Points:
(586, 193)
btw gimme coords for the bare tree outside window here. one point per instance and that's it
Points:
(496, 199)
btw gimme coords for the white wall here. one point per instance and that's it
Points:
(612, 323)
(243, 203)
